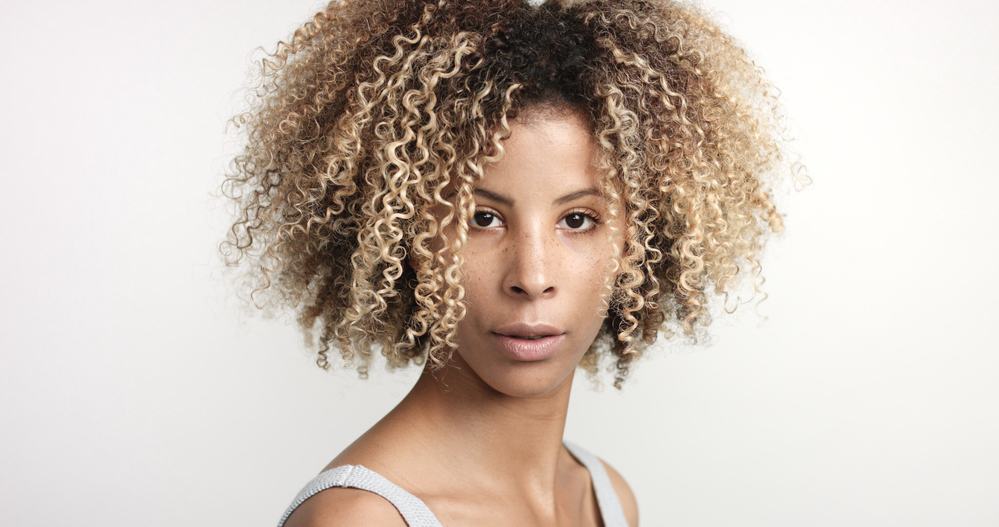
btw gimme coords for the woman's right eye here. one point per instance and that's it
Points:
(482, 219)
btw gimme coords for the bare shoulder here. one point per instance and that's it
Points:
(345, 506)
(625, 495)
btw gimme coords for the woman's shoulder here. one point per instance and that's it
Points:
(350, 505)
(624, 493)
(345, 506)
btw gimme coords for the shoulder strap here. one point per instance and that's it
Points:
(607, 499)
(413, 510)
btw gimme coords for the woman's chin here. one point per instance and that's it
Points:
(522, 379)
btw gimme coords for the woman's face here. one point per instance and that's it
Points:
(537, 252)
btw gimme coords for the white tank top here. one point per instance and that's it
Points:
(417, 514)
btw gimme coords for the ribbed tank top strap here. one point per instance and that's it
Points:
(607, 499)
(413, 510)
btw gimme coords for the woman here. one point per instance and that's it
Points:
(500, 192)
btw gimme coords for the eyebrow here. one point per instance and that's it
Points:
(591, 191)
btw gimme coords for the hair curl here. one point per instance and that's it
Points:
(375, 108)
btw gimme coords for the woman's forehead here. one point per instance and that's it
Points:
(544, 158)
(547, 155)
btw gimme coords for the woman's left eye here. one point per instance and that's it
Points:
(576, 219)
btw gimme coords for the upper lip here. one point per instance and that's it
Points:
(524, 329)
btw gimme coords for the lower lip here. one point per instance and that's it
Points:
(530, 349)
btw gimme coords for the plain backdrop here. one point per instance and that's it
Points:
(134, 390)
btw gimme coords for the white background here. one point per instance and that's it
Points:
(134, 392)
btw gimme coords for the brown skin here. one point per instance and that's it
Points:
(481, 441)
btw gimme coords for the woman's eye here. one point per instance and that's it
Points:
(575, 220)
(484, 216)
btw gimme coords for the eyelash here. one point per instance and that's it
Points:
(593, 216)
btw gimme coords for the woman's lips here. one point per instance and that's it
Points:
(523, 349)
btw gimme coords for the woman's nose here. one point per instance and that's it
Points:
(531, 264)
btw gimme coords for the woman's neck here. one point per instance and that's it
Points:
(501, 445)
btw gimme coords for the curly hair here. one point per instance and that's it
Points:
(376, 113)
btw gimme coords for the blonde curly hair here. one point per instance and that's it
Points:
(376, 113)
